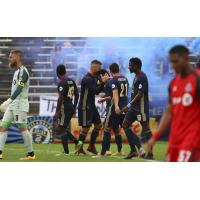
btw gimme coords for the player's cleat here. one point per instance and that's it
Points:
(99, 156)
(131, 155)
(81, 152)
(92, 149)
(28, 157)
(1, 156)
(149, 156)
(121, 153)
(79, 146)
(108, 153)
(142, 153)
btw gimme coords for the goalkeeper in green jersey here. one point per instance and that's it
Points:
(17, 106)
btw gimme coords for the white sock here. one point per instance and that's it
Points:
(3, 137)
(141, 150)
(27, 140)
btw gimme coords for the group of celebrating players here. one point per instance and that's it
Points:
(182, 113)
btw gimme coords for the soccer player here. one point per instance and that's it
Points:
(183, 110)
(87, 111)
(107, 98)
(138, 110)
(118, 86)
(68, 92)
(17, 106)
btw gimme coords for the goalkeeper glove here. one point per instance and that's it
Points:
(5, 105)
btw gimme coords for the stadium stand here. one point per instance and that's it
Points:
(42, 55)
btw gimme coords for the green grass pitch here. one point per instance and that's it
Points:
(53, 153)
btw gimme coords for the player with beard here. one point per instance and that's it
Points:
(17, 106)
(87, 111)
(138, 110)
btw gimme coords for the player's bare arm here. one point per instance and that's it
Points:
(116, 101)
(105, 98)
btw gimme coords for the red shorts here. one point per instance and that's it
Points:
(182, 155)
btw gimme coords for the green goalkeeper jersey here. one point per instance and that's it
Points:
(19, 90)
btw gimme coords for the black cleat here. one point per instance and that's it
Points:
(149, 156)
(131, 155)
(92, 150)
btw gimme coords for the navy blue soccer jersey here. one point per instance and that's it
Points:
(121, 84)
(67, 90)
(140, 84)
(89, 88)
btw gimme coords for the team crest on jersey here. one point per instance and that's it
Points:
(188, 87)
(140, 86)
(41, 129)
(113, 86)
(187, 99)
(60, 89)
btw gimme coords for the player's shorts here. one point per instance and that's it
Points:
(88, 117)
(112, 119)
(133, 115)
(67, 112)
(15, 116)
(182, 155)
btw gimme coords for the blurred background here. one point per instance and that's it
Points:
(43, 54)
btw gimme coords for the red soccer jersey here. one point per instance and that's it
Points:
(185, 100)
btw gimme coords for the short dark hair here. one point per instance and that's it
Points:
(96, 62)
(179, 49)
(18, 52)
(103, 72)
(114, 68)
(136, 61)
(61, 70)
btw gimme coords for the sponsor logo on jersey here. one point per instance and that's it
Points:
(186, 100)
(140, 86)
(41, 129)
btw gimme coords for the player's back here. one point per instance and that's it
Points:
(185, 101)
(87, 96)
(121, 83)
(66, 88)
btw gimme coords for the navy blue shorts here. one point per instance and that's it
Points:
(66, 115)
(112, 119)
(88, 117)
(132, 115)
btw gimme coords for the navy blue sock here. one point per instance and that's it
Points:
(108, 147)
(72, 138)
(136, 141)
(94, 135)
(64, 140)
(82, 137)
(106, 142)
(118, 140)
(130, 137)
